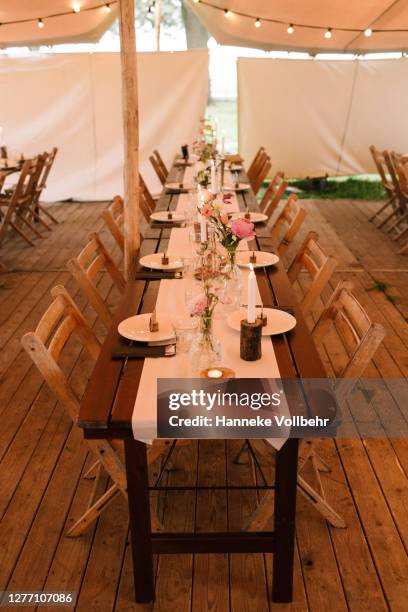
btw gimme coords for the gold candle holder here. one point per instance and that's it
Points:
(169, 215)
(165, 260)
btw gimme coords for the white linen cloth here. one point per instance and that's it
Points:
(171, 302)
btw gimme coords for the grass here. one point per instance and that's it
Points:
(350, 188)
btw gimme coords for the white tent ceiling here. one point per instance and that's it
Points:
(88, 25)
(347, 19)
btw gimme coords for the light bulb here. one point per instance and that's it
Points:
(290, 29)
(40, 23)
(257, 23)
(227, 13)
(76, 7)
(196, 1)
(107, 8)
(328, 33)
(368, 32)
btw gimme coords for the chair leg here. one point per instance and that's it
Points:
(21, 233)
(93, 512)
(382, 208)
(403, 250)
(47, 213)
(320, 504)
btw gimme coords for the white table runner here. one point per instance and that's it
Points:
(171, 302)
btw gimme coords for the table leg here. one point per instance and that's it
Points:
(139, 518)
(285, 515)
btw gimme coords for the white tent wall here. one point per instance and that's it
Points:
(317, 117)
(73, 101)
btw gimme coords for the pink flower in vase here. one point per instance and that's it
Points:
(206, 210)
(198, 305)
(242, 228)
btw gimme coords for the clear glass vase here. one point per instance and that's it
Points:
(230, 296)
(205, 350)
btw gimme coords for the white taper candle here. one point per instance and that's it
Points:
(251, 313)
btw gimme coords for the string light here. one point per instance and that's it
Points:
(40, 23)
(76, 7)
(327, 32)
(107, 8)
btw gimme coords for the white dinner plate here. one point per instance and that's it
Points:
(163, 216)
(177, 186)
(263, 259)
(278, 321)
(255, 217)
(237, 187)
(137, 328)
(154, 262)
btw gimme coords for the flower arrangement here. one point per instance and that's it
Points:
(229, 233)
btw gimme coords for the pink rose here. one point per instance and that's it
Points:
(242, 228)
(198, 305)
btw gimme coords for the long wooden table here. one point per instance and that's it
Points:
(107, 407)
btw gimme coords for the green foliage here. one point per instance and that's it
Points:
(170, 13)
(350, 189)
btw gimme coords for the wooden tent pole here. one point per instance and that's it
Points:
(158, 23)
(130, 130)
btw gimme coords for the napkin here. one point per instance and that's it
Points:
(126, 349)
(157, 274)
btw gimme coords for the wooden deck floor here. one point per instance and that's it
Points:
(43, 458)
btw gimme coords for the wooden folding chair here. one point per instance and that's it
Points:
(257, 168)
(361, 338)
(399, 227)
(14, 207)
(162, 175)
(400, 206)
(273, 193)
(60, 321)
(37, 207)
(320, 267)
(287, 224)
(84, 268)
(261, 175)
(388, 185)
(255, 161)
(149, 199)
(114, 218)
(161, 163)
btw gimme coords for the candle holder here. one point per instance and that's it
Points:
(247, 215)
(252, 258)
(250, 340)
(217, 373)
(169, 215)
(165, 260)
(264, 319)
